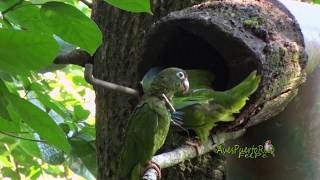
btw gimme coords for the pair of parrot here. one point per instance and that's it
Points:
(167, 99)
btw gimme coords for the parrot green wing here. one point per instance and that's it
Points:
(140, 141)
(201, 109)
(202, 118)
(235, 98)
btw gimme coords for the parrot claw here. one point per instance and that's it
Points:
(155, 166)
(195, 143)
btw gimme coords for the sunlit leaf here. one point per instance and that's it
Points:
(54, 105)
(72, 25)
(9, 172)
(22, 51)
(30, 147)
(41, 123)
(132, 5)
(27, 17)
(81, 113)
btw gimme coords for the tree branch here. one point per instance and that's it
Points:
(89, 4)
(77, 57)
(186, 152)
(108, 85)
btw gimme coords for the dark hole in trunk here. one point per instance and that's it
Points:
(197, 44)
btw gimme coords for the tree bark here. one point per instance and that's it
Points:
(117, 61)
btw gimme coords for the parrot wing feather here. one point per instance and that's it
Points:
(235, 98)
(140, 140)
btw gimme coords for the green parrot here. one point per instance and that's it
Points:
(202, 108)
(150, 122)
(197, 78)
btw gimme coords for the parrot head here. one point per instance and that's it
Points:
(170, 81)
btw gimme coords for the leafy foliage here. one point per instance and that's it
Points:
(57, 100)
(71, 25)
(47, 115)
(21, 51)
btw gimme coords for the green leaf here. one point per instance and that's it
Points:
(54, 105)
(87, 133)
(27, 17)
(317, 1)
(41, 123)
(80, 113)
(22, 51)
(87, 154)
(30, 147)
(77, 166)
(132, 5)
(9, 172)
(5, 4)
(71, 25)
(3, 102)
(5, 24)
(8, 126)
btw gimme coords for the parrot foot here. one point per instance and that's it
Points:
(195, 143)
(155, 166)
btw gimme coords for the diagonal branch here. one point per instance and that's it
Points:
(186, 152)
(108, 85)
(76, 57)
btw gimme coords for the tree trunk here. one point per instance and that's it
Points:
(117, 61)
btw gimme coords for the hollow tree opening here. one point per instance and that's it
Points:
(231, 39)
(195, 44)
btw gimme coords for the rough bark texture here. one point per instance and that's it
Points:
(116, 61)
(270, 42)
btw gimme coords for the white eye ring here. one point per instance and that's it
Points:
(180, 75)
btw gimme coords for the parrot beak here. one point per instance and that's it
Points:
(185, 85)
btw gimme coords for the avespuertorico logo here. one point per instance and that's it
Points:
(254, 151)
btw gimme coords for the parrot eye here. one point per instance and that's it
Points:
(180, 75)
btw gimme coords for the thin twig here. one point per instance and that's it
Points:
(89, 4)
(108, 85)
(186, 152)
(18, 137)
